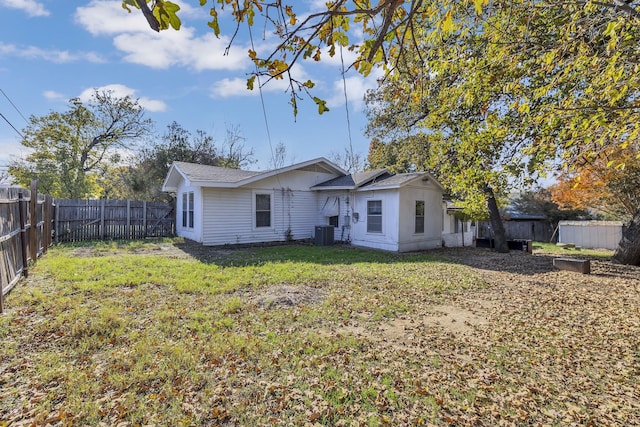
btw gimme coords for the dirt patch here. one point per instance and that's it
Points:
(454, 319)
(287, 296)
(404, 331)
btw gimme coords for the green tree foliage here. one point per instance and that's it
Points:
(451, 97)
(526, 82)
(144, 178)
(71, 151)
(399, 155)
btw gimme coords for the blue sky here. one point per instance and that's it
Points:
(53, 50)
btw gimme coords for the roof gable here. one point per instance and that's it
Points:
(352, 181)
(215, 176)
(400, 180)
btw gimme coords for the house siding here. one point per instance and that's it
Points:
(388, 238)
(409, 240)
(228, 213)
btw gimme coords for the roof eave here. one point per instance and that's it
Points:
(380, 187)
(167, 184)
(327, 188)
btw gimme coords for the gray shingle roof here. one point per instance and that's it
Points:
(354, 180)
(395, 180)
(195, 172)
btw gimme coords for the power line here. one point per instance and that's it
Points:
(14, 106)
(14, 128)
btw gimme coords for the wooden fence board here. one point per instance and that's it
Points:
(24, 233)
(78, 220)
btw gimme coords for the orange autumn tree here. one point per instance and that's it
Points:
(582, 189)
(608, 184)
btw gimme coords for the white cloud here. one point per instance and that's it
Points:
(30, 7)
(52, 95)
(226, 88)
(140, 45)
(57, 56)
(356, 87)
(6, 49)
(121, 91)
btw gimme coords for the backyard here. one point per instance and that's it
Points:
(171, 333)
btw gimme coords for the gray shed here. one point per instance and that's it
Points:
(591, 234)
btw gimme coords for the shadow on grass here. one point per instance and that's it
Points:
(513, 262)
(298, 251)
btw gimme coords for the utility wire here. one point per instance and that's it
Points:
(14, 128)
(14, 106)
(264, 109)
(346, 107)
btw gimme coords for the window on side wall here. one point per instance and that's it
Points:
(263, 210)
(419, 217)
(187, 209)
(333, 220)
(374, 216)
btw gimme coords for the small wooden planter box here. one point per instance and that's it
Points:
(571, 264)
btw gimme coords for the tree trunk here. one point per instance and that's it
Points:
(628, 251)
(499, 235)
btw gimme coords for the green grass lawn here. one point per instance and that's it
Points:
(553, 249)
(146, 334)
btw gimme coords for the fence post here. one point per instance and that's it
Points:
(144, 219)
(102, 203)
(46, 226)
(56, 226)
(33, 220)
(127, 228)
(22, 208)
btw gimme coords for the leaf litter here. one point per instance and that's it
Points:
(520, 343)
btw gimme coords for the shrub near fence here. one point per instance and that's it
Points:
(25, 232)
(79, 220)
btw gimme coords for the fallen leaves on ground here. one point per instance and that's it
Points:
(368, 346)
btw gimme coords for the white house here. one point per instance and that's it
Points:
(377, 209)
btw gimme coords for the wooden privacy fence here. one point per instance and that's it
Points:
(78, 220)
(536, 230)
(25, 232)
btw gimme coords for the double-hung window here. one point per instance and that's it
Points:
(374, 216)
(263, 210)
(187, 210)
(419, 228)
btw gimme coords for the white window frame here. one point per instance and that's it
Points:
(254, 194)
(188, 210)
(374, 215)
